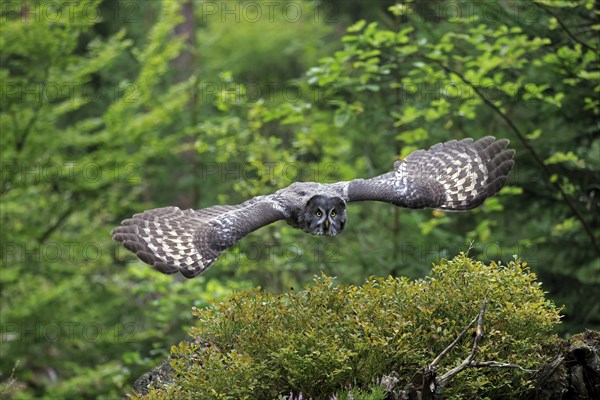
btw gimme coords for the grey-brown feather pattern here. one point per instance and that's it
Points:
(189, 241)
(455, 176)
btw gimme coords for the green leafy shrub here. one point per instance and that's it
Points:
(327, 338)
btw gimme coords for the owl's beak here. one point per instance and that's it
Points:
(326, 224)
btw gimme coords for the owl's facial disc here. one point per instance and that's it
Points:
(325, 215)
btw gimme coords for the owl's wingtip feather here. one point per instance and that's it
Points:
(192, 272)
(165, 268)
(468, 187)
(172, 240)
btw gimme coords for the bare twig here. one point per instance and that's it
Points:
(447, 377)
(495, 364)
(438, 359)
(426, 385)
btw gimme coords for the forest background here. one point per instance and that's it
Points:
(113, 107)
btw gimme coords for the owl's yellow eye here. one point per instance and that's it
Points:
(318, 213)
(332, 213)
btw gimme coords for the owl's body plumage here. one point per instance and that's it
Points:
(451, 176)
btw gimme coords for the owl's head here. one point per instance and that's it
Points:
(323, 215)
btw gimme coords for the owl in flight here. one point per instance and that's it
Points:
(451, 176)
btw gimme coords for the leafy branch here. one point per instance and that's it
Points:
(564, 27)
(530, 149)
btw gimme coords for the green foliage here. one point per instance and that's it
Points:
(474, 69)
(423, 77)
(103, 117)
(75, 323)
(329, 337)
(375, 392)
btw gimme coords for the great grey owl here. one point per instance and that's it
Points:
(450, 176)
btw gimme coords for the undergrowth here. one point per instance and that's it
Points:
(328, 339)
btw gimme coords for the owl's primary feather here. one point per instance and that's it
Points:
(451, 176)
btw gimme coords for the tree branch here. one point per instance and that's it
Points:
(20, 142)
(62, 218)
(531, 150)
(564, 27)
(21, 139)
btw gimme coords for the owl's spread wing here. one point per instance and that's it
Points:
(452, 176)
(189, 241)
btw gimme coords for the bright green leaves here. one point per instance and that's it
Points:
(359, 66)
(85, 109)
(357, 27)
(561, 157)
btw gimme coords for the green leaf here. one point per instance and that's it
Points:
(413, 136)
(341, 117)
(357, 27)
(561, 157)
(534, 135)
